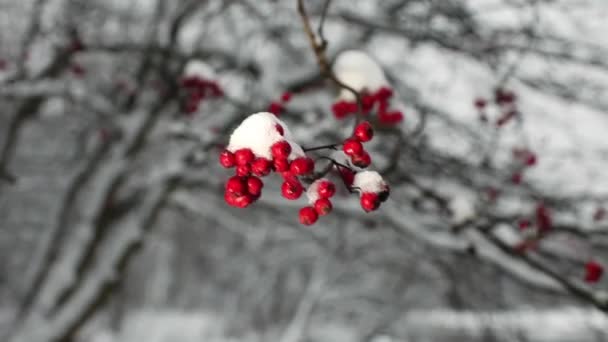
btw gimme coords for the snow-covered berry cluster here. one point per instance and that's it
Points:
(262, 144)
(353, 146)
(378, 100)
(198, 85)
(277, 107)
(506, 103)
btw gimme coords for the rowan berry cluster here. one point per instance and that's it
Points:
(277, 107)
(263, 144)
(197, 89)
(378, 100)
(506, 103)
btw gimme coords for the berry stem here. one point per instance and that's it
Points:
(322, 147)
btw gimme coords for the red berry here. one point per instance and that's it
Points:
(369, 201)
(384, 93)
(543, 218)
(308, 216)
(352, 147)
(323, 206)
(530, 159)
(291, 189)
(276, 108)
(286, 97)
(347, 175)
(516, 178)
(593, 271)
(254, 186)
(241, 201)
(367, 102)
(326, 189)
(391, 118)
(227, 159)
(280, 149)
(523, 224)
(302, 166)
(281, 164)
(364, 132)
(261, 167)
(480, 103)
(236, 185)
(342, 109)
(279, 129)
(243, 156)
(243, 170)
(362, 160)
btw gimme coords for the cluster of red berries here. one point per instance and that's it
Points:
(542, 219)
(323, 190)
(506, 102)
(249, 168)
(198, 89)
(353, 146)
(379, 99)
(277, 107)
(524, 158)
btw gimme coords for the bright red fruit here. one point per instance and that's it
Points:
(323, 206)
(543, 218)
(261, 167)
(276, 108)
(227, 159)
(523, 224)
(384, 93)
(362, 160)
(286, 97)
(593, 271)
(243, 170)
(280, 149)
(243, 156)
(369, 201)
(236, 185)
(239, 201)
(342, 109)
(364, 132)
(291, 189)
(352, 147)
(347, 175)
(281, 164)
(254, 186)
(302, 166)
(279, 129)
(308, 216)
(326, 189)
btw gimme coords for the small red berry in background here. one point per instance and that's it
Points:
(280, 150)
(524, 224)
(480, 103)
(323, 206)
(326, 189)
(243, 156)
(227, 159)
(364, 132)
(516, 178)
(352, 147)
(286, 97)
(600, 214)
(593, 272)
(308, 216)
(543, 218)
(276, 108)
(369, 201)
(236, 185)
(530, 159)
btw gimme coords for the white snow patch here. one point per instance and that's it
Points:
(359, 71)
(369, 181)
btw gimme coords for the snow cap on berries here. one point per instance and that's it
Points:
(312, 193)
(369, 181)
(359, 71)
(258, 132)
(198, 68)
